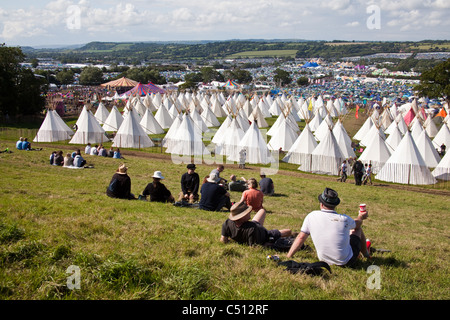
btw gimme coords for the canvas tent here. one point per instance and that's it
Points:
(114, 120)
(131, 134)
(327, 157)
(442, 171)
(301, 150)
(255, 145)
(89, 130)
(406, 165)
(52, 129)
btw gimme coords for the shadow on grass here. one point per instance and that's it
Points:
(380, 261)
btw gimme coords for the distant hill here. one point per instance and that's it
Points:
(135, 52)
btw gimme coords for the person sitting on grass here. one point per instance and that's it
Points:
(241, 229)
(253, 197)
(213, 196)
(237, 185)
(337, 238)
(190, 183)
(68, 160)
(158, 191)
(59, 159)
(120, 185)
(117, 154)
(78, 160)
(266, 185)
(19, 143)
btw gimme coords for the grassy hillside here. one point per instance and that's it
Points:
(52, 218)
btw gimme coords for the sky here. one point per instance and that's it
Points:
(71, 22)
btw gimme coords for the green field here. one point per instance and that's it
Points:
(263, 54)
(52, 218)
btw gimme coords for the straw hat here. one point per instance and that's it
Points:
(122, 169)
(158, 174)
(239, 210)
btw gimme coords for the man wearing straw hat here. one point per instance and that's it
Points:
(239, 228)
(120, 185)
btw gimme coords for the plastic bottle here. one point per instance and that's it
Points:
(368, 244)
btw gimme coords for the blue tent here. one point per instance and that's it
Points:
(310, 65)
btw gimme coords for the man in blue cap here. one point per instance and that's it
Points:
(338, 238)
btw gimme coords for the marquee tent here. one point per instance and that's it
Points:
(122, 82)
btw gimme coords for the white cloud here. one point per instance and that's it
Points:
(352, 24)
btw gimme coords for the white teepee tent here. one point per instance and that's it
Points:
(187, 140)
(256, 147)
(376, 153)
(131, 134)
(427, 150)
(52, 130)
(101, 114)
(327, 157)
(284, 136)
(301, 150)
(89, 130)
(114, 120)
(442, 171)
(149, 123)
(406, 165)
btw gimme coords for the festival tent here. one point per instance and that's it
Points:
(373, 131)
(139, 107)
(198, 120)
(231, 84)
(210, 118)
(52, 130)
(163, 117)
(138, 90)
(365, 128)
(327, 157)
(217, 109)
(101, 114)
(243, 122)
(230, 145)
(416, 129)
(284, 136)
(258, 117)
(149, 123)
(89, 130)
(326, 125)
(430, 127)
(131, 134)
(152, 88)
(427, 150)
(256, 147)
(343, 140)
(301, 150)
(310, 64)
(442, 137)
(394, 139)
(219, 136)
(442, 171)
(315, 122)
(187, 139)
(114, 120)
(148, 103)
(171, 132)
(406, 165)
(376, 153)
(409, 116)
(122, 82)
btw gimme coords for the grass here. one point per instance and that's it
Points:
(52, 218)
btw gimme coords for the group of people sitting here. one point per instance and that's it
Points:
(72, 160)
(24, 144)
(338, 238)
(99, 150)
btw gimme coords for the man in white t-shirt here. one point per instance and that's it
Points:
(338, 238)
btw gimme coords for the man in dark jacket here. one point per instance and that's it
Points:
(358, 171)
(190, 182)
(120, 185)
(214, 196)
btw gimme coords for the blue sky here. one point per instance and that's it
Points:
(65, 22)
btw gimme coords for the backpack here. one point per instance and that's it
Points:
(314, 269)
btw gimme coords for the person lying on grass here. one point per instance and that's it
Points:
(338, 238)
(241, 229)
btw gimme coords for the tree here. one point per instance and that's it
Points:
(282, 77)
(20, 89)
(65, 76)
(435, 82)
(91, 76)
(302, 81)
